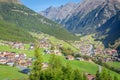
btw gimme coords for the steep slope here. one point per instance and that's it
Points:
(60, 13)
(31, 21)
(89, 15)
(109, 33)
(89, 19)
(11, 32)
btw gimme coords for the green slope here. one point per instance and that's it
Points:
(31, 21)
(10, 32)
(10, 73)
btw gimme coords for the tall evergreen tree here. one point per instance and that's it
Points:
(37, 67)
(98, 75)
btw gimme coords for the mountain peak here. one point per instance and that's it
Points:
(11, 1)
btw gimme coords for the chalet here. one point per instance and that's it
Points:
(22, 56)
(11, 58)
(10, 62)
(79, 58)
(3, 60)
(47, 51)
(111, 52)
(44, 65)
(18, 45)
(57, 52)
(98, 51)
(44, 43)
(90, 77)
(118, 59)
(31, 46)
(70, 57)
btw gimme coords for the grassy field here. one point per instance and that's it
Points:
(29, 53)
(84, 66)
(7, 72)
(114, 64)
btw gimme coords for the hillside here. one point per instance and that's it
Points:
(31, 21)
(109, 33)
(87, 15)
(95, 16)
(11, 32)
(59, 13)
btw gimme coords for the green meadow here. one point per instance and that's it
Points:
(7, 72)
(114, 64)
(83, 66)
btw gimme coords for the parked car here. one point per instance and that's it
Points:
(26, 71)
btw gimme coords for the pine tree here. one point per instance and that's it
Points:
(116, 78)
(77, 74)
(98, 75)
(84, 77)
(36, 71)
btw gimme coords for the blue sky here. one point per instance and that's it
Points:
(39, 5)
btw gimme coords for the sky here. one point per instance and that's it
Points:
(40, 5)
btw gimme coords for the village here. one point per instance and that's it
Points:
(21, 61)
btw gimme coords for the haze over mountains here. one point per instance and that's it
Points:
(88, 17)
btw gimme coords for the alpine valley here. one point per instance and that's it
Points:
(75, 41)
(88, 17)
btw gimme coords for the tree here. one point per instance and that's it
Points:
(37, 67)
(116, 78)
(98, 75)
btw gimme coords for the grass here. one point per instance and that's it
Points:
(114, 64)
(84, 66)
(7, 72)
(29, 53)
(55, 41)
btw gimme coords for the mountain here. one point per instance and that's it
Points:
(60, 13)
(11, 32)
(109, 32)
(93, 16)
(31, 21)
(88, 15)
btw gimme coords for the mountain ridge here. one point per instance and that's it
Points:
(92, 16)
(75, 23)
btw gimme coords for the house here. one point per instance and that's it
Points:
(79, 58)
(22, 56)
(44, 65)
(10, 63)
(90, 77)
(26, 71)
(44, 43)
(111, 52)
(31, 46)
(11, 58)
(17, 45)
(70, 57)
(47, 51)
(57, 52)
(3, 60)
